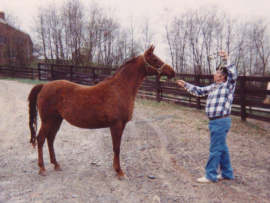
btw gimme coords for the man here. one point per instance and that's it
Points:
(218, 109)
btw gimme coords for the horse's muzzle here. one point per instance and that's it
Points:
(172, 75)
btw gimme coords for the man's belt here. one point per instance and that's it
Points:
(218, 117)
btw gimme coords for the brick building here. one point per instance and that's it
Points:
(16, 47)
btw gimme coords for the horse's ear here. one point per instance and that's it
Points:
(150, 51)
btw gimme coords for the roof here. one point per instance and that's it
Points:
(5, 22)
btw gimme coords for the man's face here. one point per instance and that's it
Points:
(218, 76)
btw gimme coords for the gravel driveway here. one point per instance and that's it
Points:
(164, 149)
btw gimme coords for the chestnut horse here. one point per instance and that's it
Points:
(110, 103)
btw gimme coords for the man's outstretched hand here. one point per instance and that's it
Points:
(181, 83)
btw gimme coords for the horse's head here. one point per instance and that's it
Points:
(155, 66)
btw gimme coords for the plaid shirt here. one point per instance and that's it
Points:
(220, 95)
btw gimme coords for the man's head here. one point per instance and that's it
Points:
(221, 74)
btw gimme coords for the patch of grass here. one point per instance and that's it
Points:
(252, 126)
(238, 126)
(28, 81)
(205, 121)
(249, 128)
(199, 128)
(156, 104)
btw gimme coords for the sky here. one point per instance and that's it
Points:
(25, 10)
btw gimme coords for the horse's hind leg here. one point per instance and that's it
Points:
(43, 132)
(116, 133)
(50, 140)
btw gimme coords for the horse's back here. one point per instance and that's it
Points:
(53, 92)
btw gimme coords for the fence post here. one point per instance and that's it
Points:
(243, 97)
(39, 75)
(71, 73)
(198, 99)
(94, 76)
(52, 73)
(12, 71)
(157, 89)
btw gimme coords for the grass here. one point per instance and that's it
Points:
(156, 104)
(153, 108)
(252, 126)
(28, 81)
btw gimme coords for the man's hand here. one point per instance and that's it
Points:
(223, 54)
(181, 83)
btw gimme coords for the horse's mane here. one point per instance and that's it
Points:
(122, 67)
(130, 61)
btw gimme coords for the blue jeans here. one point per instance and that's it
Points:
(219, 152)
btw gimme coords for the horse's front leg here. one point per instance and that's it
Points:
(116, 133)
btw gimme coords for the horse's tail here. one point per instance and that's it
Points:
(32, 99)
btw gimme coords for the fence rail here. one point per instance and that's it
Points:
(18, 72)
(248, 100)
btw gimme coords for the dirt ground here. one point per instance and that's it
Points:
(164, 149)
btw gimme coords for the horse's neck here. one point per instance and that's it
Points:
(131, 77)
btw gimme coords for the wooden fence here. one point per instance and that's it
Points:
(248, 100)
(18, 72)
(77, 74)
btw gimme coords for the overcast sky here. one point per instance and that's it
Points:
(25, 9)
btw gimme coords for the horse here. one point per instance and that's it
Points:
(108, 104)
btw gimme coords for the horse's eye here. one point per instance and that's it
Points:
(155, 60)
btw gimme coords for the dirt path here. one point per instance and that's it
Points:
(164, 149)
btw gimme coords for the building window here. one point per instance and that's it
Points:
(6, 52)
(13, 53)
(2, 40)
(10, 53)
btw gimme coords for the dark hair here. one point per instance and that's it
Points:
(223, 70)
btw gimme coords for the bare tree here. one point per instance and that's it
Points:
(195, 34)
(258, 34)
(134, 47)
(110, 29)
(93, 30)
(146, 33)
(240, 51)
(73, 14)
(121, 47)
(40, 29)
(54, 25)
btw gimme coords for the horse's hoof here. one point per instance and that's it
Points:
(58, 168)
(43, 173)
(121, 176)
